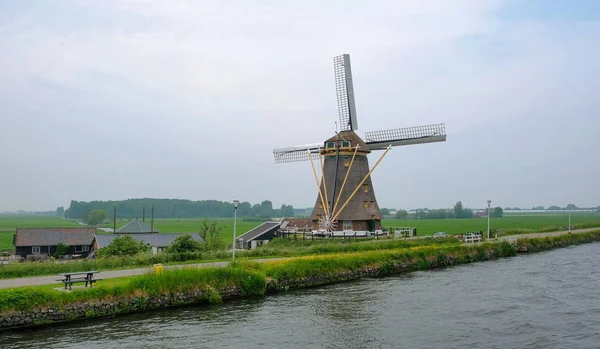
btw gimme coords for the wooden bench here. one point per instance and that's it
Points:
(82, 276)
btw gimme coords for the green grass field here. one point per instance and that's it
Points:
(509, 222)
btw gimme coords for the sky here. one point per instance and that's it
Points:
(117, 99)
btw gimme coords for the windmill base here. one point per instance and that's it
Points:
(371, 225)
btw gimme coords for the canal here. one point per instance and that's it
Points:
(543, 300)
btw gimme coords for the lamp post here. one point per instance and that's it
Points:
(235, 205)
(489, 202)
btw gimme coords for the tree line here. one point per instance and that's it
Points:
(173, 208)
(458, 211)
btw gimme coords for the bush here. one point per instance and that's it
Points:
(184, 243)
(61, 250)
(123, 246)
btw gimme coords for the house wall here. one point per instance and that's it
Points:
(23, 251)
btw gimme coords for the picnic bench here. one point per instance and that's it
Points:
(81, 276)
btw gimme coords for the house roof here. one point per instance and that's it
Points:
(136, 226)
(52, 236)
(155, 240)
(264, 228)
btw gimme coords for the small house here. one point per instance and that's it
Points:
(43, 241)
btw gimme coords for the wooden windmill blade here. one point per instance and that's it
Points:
(344, 90)
(379, 140)
(297, 153)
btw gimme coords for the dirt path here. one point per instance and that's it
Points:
(48, 280)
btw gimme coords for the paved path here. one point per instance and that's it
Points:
(47, 280)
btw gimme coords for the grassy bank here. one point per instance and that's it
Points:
(277, 248)
(207, 285)
(251, 277)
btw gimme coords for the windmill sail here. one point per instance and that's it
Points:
(297, 153)
(378, 140)
(344, 90)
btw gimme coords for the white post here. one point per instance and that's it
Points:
(488, 231)
(235, 205)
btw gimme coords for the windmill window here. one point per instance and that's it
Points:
(346, 161)
(372, 204)
(366, 203)
(320, 205)
(347, 225)
(366, 188)
(373, 217)
(346, 143)
(330, 145)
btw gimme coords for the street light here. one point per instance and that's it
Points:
(235, 205)
(488, 232)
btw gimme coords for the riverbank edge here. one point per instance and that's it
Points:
(47, 315)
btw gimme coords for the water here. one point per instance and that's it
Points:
(545, 300)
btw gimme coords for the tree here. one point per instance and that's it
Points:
(95, 217)
(185, 243)
(210, 233)
(255, 210)
(401, 214)
(287, 211)
(420, 214)
(497, 212)
(538, 208)
(571, 207)
(123, 246)
(266, 208)
(61, 250)
(60, 212)
(461, 212)
(553, 208)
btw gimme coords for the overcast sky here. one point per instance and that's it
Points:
(105, 100)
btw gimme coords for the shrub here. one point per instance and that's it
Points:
(184, 243)
(123, 246)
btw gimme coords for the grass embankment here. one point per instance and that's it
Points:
(251, 277)
(277, 248)
(142, 286)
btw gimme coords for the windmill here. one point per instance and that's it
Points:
(345, 190)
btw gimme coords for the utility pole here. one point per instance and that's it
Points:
(489, 202)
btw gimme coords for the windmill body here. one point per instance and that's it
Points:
(346, 198)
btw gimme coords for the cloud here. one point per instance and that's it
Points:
(207, 89)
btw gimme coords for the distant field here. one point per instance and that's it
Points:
(424, 227)
(509, 221)
(10, 223)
